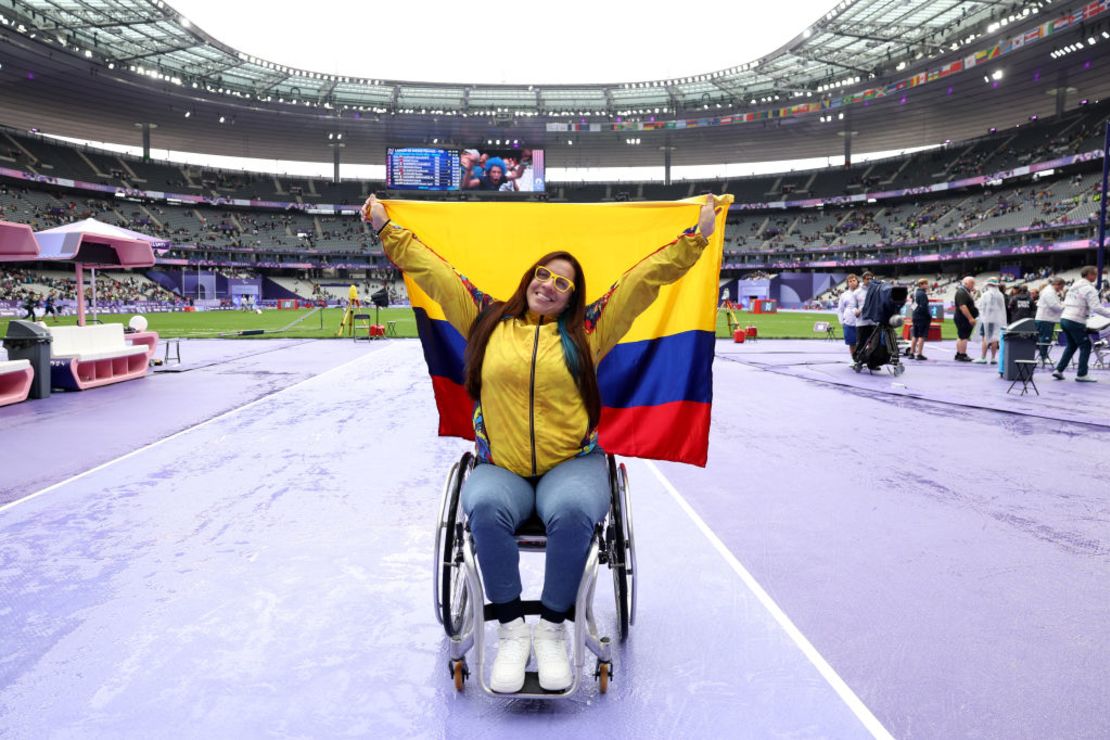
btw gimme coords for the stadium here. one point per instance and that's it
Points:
(845, 269)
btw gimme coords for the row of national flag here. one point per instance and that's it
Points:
(1065, 21)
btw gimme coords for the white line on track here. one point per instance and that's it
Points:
(858, 708)
(187, 430)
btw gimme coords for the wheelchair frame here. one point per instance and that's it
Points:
(459, 596)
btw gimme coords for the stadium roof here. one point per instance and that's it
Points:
(855, 41)
(66, 69)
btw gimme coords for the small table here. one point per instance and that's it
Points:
(391, 328)
(1025, 370)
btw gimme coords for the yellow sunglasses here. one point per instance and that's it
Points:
(562, 284)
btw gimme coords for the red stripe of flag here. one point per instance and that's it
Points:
(676, 431)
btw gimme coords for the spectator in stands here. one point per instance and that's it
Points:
(847, 311)
(864, 327)
(1050, 304)
(921, 320)
(1081, 301)
(964, 317)
(992, 315)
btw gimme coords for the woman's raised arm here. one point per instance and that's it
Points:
(610, 317)
(460, 299)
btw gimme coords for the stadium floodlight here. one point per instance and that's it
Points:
(997, 75)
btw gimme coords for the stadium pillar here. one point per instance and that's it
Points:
(146, 142)
(847, 141)
(335, 161)
(667, 149)
(1102, 207)
(1061, 91)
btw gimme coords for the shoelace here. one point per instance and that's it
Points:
(514, 647)
(550, 643)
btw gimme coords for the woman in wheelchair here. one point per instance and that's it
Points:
(530, 366)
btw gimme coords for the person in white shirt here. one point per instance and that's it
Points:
(864, 327)
(846, 312)
(1081, 301)
(1050, 304)
(992, 315)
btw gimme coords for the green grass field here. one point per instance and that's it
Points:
(213, 323)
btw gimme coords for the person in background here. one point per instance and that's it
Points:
(1050, 304)
(1021, 305)
(1081, 301)
(48, 308)
(921, 320)
(30, 303)
(352, 296)
(864, 327)
(992, 315)
(964, 317)
(846, 310)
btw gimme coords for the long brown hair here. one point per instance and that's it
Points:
(572, 328)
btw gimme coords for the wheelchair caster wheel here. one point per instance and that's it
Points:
(602, 676)
(459, 673)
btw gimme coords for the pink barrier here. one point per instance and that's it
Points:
(75, 374)
(14, 386)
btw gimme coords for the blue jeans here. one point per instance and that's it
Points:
(1044, 336)
(570, 498)
(1076, 336)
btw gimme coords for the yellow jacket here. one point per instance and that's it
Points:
(531, 416)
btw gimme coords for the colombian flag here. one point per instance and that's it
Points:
(656, 384)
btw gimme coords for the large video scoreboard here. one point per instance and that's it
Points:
(491, 170)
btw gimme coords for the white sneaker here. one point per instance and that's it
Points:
(1084, 379)
(514, 645)
(981, 361)
(552, 662)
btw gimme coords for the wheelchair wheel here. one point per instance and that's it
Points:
(622, 554)
(451, 594)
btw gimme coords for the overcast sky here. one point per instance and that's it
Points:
(494, 41)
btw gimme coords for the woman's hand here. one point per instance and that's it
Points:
(707, 219)
(374, 212)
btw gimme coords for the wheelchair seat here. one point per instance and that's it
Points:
(531, 534)
(533, 526)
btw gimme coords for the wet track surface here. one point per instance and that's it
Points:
(269, 571)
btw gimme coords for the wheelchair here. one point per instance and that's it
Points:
(459, 597)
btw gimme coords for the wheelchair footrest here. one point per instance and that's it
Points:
(531, 608)
(532, 685)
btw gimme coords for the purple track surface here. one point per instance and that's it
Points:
(243, 547)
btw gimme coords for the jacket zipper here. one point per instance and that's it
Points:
(532, 396)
